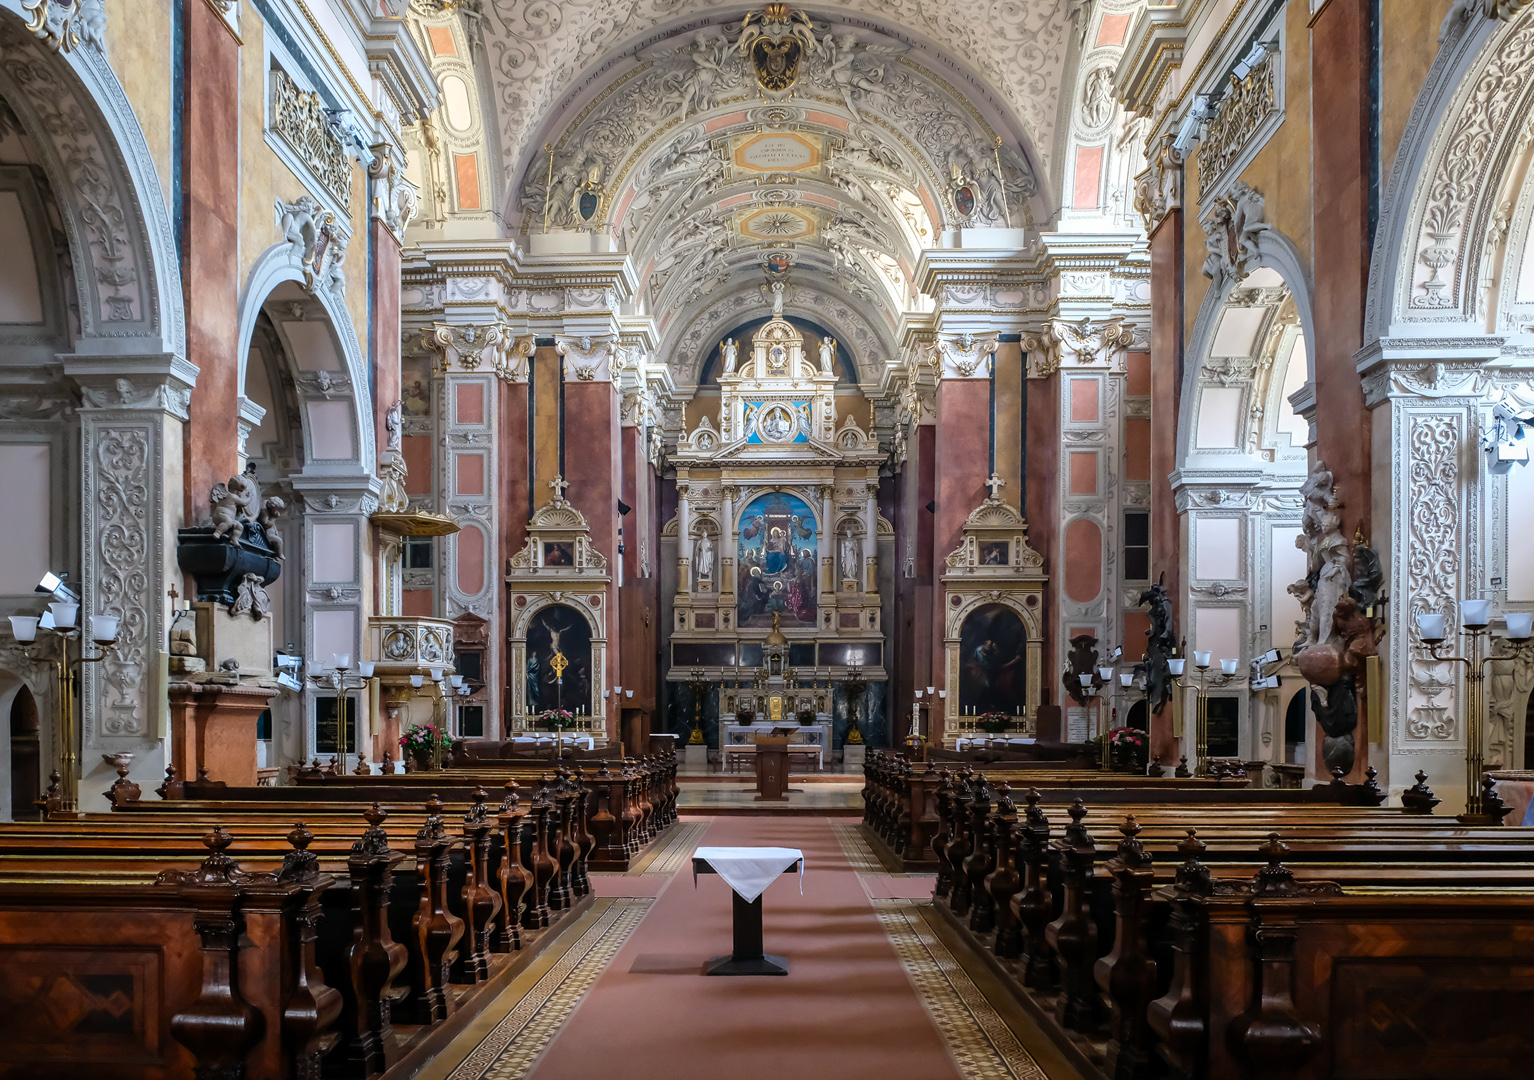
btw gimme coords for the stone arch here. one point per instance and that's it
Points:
(1447, 177)
(1275, 252)
(278, 277)
(126, 272)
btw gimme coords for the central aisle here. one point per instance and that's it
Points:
(871, 994)
(845, 1009)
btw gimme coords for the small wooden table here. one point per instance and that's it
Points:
(746, 955)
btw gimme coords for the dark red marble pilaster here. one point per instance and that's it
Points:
(210, 266)
(594, 470)
(1166, 252)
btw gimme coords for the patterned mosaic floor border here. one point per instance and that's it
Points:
(672, 855)
(982, 1045)
(510, 1050)
(858, 853)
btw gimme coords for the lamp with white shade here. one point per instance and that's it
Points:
(62, 622)
(1475, 626)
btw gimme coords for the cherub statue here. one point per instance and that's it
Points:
(271, 510)
(230, 503)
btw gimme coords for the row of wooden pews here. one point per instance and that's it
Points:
(325, 929)
(1154, 938)
(900, 799)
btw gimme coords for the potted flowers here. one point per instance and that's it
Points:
(805, 716)
(1126, 748)
(559, 719)
(993, 723)
(745, 716)
(422, 743)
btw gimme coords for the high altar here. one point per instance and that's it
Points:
(777, 534)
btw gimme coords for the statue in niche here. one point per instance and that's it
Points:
(777, 299)
(534, 678)
(730, 351)
(393, 425)
(827, 354)
(705, 556)
(852, 556)
(1160, 646)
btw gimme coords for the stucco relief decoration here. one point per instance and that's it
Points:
(1246, 104)
(124, 562)
(775, 41)
(317, 243)
(395, 199)
(540, 49)
(92, 178)
(300, 120)
(966, 353)
(64, 24)
(1232, 233)
(586, 358)
(1459, 176)
(1432, 555)
(466, 344)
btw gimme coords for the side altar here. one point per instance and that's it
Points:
(777, 601)
(993, 639)
(557, 596)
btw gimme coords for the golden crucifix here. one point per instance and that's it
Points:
(559, 663)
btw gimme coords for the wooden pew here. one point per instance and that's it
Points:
(354, 957)
(1090, 928)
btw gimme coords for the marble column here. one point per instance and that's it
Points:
(728, 545)
(828, 552)
(683, 538)
(871, 539)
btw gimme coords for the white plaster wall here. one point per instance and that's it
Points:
(24, 532)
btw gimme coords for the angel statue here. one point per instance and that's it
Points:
(842, 53)
(827, 354)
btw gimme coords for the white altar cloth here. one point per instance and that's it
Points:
(749, 870)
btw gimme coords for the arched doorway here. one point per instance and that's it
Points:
(26, 755)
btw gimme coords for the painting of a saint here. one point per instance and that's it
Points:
(560, 629)
(994, 553)
(775, 562)
(992, 660)
(415, 386)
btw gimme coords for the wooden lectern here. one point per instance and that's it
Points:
(771, 768)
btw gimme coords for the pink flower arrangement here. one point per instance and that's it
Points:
(423, 739)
